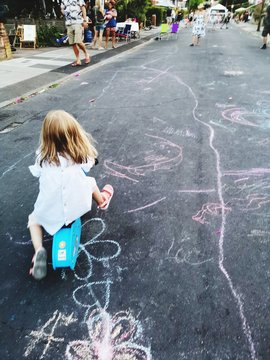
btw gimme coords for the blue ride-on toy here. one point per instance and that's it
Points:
(65, 245)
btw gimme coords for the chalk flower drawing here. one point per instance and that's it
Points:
(110, 338)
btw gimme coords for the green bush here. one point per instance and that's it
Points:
(160, 13)
(47, 35)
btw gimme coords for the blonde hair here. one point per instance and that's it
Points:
(98, 4)
(62, 134)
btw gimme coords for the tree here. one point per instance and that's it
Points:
(193, 4)
(132, 9)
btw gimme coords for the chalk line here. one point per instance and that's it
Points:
(196, 191)
(236, 295)
(146, 206)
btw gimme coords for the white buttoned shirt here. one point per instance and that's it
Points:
(65, 193)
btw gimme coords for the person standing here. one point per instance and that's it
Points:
(169, 16)
(199, 22)
(99, 24)
(225, 20)
(76, 20)
(110, 20)
(266, 27)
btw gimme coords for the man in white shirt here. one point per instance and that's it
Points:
(76, 20)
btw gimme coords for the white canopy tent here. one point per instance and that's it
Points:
(218, 9)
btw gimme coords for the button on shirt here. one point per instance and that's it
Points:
(65, 193)
(72, 11)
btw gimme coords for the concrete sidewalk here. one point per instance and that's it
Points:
(31, 71)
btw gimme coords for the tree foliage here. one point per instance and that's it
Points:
(132, 9)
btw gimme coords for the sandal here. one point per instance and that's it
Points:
(39, 269)
(75, 63)
(107, 194)
(87, 61)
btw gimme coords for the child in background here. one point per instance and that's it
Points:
(65, 153)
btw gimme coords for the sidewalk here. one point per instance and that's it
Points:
(250, 28)
(31, 71)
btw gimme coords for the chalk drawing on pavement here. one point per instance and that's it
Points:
(46, 333)
(213, 209)
(258, 117)
(183, 254)
(165, 156)
(109, 338)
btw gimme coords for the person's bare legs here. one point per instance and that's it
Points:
(77, 53)
(97, 196)
(113, 40)
(264, 39)
(36, 236)
(103, 197)
(107, 38)
(95, 38)
(100, 38)
(194, 40)
(39, 269)
(83, 48)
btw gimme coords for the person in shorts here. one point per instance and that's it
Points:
(76, 20)
(110, 21)
(99, 24)
(266, 27)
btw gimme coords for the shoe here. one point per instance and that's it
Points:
(263, 47)
(39, 269)
(191, 45)
(101, 48)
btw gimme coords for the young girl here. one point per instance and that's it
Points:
(65, 153)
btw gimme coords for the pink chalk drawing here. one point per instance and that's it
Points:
(238, 115)
(210, 209)
(110, 338)
(146, 206)
(165, 156)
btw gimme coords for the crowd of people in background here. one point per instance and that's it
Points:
(78, 14)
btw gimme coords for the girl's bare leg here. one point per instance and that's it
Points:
(36, 236)
(39, 268)
(97, 196)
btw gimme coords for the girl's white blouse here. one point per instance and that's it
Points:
(65, 193)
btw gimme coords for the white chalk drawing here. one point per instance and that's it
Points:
(110, 338)
(183, 254)
(46, 334)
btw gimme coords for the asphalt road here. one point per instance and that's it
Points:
(178, 267)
